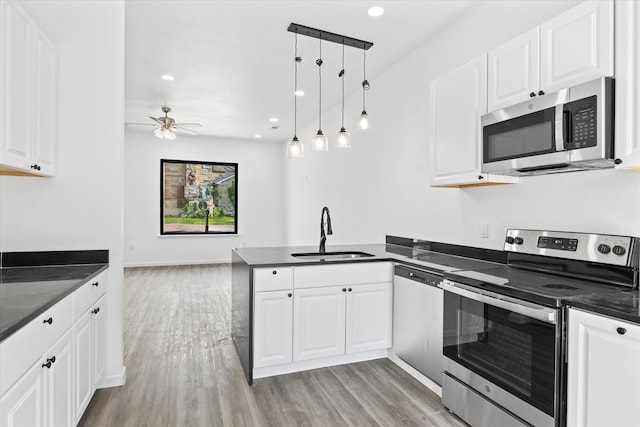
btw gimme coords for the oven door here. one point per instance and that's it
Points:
(504, 349)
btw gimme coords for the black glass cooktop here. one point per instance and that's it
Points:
(542, 288)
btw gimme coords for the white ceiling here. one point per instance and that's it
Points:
(233, 60)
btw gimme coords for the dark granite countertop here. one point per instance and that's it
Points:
(623, 305)
(26, 290)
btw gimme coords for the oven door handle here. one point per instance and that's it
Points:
(543, 314)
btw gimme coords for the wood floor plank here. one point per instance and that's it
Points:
(183, 371)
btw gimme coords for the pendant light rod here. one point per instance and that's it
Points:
(326, 35)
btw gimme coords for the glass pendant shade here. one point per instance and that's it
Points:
(320, 142)
(344, 139)
(295, 148)
(164, 133)
(364, 124)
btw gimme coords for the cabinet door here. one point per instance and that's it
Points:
(45, 135)
(318, 322)
(577, 46)
(457, 100)
(23, 404)
(603, 371)
(273, 328)
(627, 84)
(59, 383)
(99, 349)
(84, 363)
(369, 317)
(16, 86)
(514, 71)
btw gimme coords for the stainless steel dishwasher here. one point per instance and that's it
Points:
(417, 320)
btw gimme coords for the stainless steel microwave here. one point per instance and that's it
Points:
(568, 130)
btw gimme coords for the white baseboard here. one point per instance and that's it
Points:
(174, 263)
(114, 380)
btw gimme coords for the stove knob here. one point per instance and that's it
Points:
(510, 240)
(619, 250)
(604, 249)
(518, 240)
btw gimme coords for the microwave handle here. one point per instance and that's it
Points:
(560, 129)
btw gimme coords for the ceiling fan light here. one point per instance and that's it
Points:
(164, 133)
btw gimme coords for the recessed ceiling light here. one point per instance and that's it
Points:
(168, 77)
(257, 135)
(298, 93)
(273, 120)
(375, 11)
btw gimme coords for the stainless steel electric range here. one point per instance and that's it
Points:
(504, 340)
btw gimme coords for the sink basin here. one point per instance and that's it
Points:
(331, 255)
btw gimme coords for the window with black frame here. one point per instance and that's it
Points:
(198, 197)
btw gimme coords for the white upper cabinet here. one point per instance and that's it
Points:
(572, 48)
(514, 71)
(457, 101)
(28, 95)
(627, 107)
(577, 46)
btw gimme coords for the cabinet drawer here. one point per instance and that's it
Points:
(24, 348)
(85, 296)
(343, 274)
(272, 279)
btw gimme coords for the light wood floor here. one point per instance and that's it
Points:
(182, 369)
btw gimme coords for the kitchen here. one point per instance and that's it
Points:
(109, 180)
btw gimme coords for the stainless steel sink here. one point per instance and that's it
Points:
(331, 255)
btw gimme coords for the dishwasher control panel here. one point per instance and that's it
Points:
(421, 276)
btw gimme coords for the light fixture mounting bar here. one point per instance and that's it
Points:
(326, 35)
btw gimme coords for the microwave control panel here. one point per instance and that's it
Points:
(580, 123)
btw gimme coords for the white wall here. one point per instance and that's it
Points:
(80, 208)
(382, 187)
(261, 199)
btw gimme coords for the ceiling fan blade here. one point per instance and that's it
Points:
(189, 124)
(140, 124)
(180, 128)
(156, 120)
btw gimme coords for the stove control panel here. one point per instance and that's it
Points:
(602, 248)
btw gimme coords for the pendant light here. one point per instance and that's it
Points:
(344, 138)
(364, 124)
(295, 148)
(320, 140)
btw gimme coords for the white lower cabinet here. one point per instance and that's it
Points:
(42, 397)
(369, 317)
(273, 318)
(603, 371)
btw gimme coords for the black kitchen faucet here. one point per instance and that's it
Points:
(323, 236)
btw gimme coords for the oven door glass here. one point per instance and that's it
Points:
(513, 351)
(522, 136)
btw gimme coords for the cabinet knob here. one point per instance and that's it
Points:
(532, 94)
(350, 289)
(617, 161)
(96, 310)
(95, 284)
(48, 363)
(274, 272)
(289, 294)
(621, 331)
(480, 177)
(344, 289)
(49, 320)
(541, 92)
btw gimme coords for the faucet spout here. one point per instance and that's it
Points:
(323, 235)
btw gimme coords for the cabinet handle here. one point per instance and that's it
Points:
(532, 94)
(289, 294)
(95, 284)
(49, 362)
(621, 331)
(49, 320)
(274, 272)
(541, 92)
(344, 289)
(350, 289)
(96, 311)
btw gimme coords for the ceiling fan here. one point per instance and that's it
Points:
(167, 126)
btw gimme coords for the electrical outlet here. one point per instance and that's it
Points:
(484, 230)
